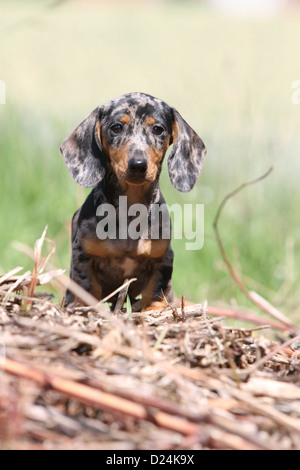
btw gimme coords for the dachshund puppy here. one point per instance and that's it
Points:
(119, 149)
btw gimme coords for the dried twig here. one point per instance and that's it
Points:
(257, 300)
(10, 274)
(272, 353)
(225, 312)
(97, 398)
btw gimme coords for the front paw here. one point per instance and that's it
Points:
(155, 305)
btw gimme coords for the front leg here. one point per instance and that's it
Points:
(158, 292)
(82, 273)
(81, 267)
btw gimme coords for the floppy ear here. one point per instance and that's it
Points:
(83, 153)
(187, 157)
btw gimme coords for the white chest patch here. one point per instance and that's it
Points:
(128, 266)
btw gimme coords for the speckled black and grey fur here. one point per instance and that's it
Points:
(97, 153)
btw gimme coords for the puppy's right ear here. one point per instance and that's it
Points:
(83, 153)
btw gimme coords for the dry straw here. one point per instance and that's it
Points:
(175, 379)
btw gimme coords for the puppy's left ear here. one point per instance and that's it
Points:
(187, 157)
(83, 153)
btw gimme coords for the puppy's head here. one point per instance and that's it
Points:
(130, 136)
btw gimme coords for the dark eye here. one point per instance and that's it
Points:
(117, 128)
(157, 130)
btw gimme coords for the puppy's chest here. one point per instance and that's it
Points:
(119, 267)
(129, 252)
(112, 272)
(128, 266)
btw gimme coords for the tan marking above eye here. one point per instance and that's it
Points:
(150, 120)
(125, 119)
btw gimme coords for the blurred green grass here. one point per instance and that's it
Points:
(230, 79)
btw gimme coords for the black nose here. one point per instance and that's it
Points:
(137, 166)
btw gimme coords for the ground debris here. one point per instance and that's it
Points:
(84, 380)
